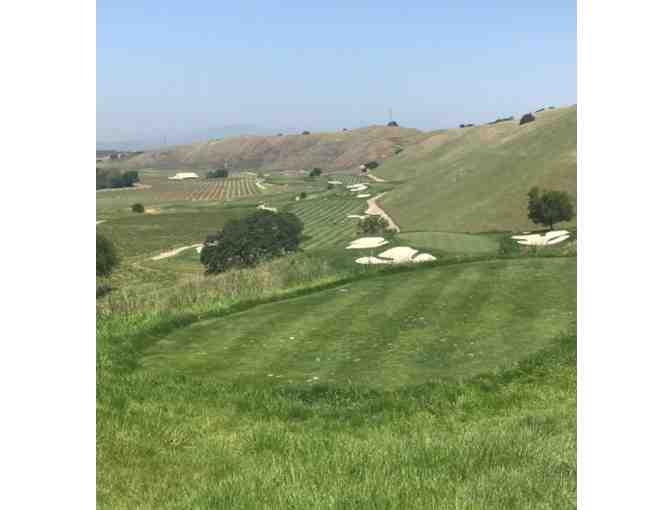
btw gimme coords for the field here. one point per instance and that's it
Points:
(477, 179)
(310, 381)
(164, 191)
(363, 434)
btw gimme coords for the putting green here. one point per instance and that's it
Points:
(405, 328)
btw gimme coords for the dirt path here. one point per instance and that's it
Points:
(375, 178)
(375, 209)
(176, 251)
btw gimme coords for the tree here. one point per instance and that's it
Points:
(549, 207)
(305, 133)
(528, 117)
(303, 195)
(219, 173)
(315, 172)
(392, 124)
(371, 165)
(374, 225)
(139, 208)
(107, 257)
(246, 242)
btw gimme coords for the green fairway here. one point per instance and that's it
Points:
(451, 243)
(446, 322)
(150, 234)
(476, 179)
(326, 221)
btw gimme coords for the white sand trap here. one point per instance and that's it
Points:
(557, 240)
(363, 195)
(542, 240)
(399, 254)
(199, 249)
(174, 252)
(372, 260)
(334, 182)
(357, 216)
(100, 221)
(263, 207)
(366, 242)
(423, 257)
(357, 187)
(259, 185)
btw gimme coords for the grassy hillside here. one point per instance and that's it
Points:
(342, 150)
(476, 179)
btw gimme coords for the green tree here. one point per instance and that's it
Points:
(107, 257)
(549, 207)
(138, 208)
(303, 195)
(248, 241)
(315, 172)
(374, 225)
(219, 173)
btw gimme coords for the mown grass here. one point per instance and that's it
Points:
(169, 439)
(449, 322)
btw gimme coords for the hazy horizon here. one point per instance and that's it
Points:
(174, 72)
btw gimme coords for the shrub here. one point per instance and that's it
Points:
(103, 289)
(115, 179)
(502, 119)
(219, 173)
(305, 133)
(371, 165)
(107, 257)
(248, 241)
(315, 172)
(303, 195)
(374, 226)
(138, 208)
(398, 150)
(549, 207)
(528, 117)
(539, 110)
(330, 186)
(392, 124)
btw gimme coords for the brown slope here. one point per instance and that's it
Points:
(335, 151)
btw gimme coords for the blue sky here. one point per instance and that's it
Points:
(165, 68)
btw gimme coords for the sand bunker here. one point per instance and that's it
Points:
(366, 242)
(100, 221)
(363, 195)
(152, 210)
(266, 208)
(357, 187)
(399, 254)
(372, 260)
(423, 257)
(174, 252)
(357, 216)
(334, 182)
(552, 237)
(259, 185)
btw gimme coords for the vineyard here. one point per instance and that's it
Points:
(326, 222)
(161, 190)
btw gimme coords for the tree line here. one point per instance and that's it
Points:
(115, 178)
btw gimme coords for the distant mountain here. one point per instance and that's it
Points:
(158, 140)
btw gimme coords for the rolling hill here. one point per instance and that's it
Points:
(335, 151)
(476, 179)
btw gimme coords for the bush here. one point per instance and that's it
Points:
(102, 289)
(305, 133)
(315, 172)
(549, 207)
(392, 124)
(107, 257)
(138, 208)
(539, 110)
(248, 241)
(374, 226)
(219, 173)
(528, 117)
(371, 165)
(115, 179)
(303, 195)
(330, 186)
(503, 119)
